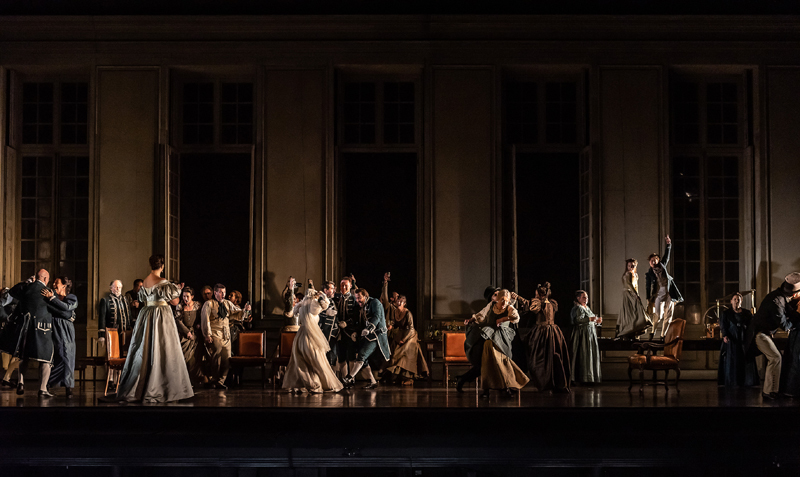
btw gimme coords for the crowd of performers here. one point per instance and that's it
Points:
(175, 343)
(341, 334)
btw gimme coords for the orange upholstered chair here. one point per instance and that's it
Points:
(646, 358)
(282, 354)
(252, 352)
(453, 352)
(114, 362)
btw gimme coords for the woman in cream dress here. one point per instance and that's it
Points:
(155, 370)
(309, 369)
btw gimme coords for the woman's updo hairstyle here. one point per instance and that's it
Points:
(156, 261)
(543, 290)
(67, 284)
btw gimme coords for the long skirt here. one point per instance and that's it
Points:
(498, 371)
(548, 363)
(633, 319)
(308, 367)
(408, 361)
(63, 372)
(585, 354)
(155, 370)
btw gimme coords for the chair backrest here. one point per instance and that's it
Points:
(453, 344)
(251, 343)
(675, 331)
(287, 339)
(112, 343)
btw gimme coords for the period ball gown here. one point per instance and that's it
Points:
(155, 370)
(308, 368)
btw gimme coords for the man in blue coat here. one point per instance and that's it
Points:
(661, 290)
(33, 334)
(373, 337)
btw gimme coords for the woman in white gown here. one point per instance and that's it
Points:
(309, 369)
(155, 370)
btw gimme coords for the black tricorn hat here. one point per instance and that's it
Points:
(490, 290)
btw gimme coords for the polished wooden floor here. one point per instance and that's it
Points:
(689, 394)
(702, 430)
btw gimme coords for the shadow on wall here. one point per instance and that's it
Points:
(272, 295)
(462, 307)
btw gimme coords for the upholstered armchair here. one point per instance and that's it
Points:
(647, 359)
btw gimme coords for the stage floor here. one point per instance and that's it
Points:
(689, 394)
(703, 429)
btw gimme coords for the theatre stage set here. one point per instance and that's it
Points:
(455, 144)
(597, 430)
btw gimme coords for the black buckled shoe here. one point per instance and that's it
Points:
(349, 381)
(20, 389)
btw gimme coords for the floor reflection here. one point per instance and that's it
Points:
(604, 395)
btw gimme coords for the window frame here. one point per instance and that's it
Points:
(703, 151)
(176, 112)
(379, 79)
(577, 75)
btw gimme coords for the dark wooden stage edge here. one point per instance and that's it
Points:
(651, 432)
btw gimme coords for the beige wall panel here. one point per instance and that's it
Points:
(295, 163)
(630, 110)
(784, 169)
(128, 128)
(463, 152)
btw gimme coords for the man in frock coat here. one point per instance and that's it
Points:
(661, 289)
(373, 337)
(34, 330)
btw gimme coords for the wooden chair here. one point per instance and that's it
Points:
(282, 354)
(453, 353)
(114, 361)
(252, 352)
(646, 358)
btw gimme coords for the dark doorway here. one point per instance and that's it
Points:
(380, 221)
(215, 221)
(548, 228)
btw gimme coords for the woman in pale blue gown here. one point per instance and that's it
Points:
(155, 370)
